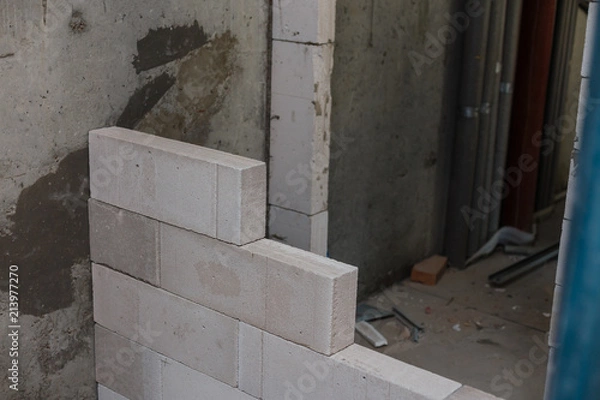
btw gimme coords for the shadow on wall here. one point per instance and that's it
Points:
(392, 126)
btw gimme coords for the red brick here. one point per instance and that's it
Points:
(429, 271)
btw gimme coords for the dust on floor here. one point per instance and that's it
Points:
(489, 338)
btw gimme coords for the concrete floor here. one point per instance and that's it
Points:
(491, 339)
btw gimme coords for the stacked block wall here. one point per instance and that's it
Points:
(191, 302)
(302, 63)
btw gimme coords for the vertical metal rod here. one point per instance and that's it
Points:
(487, 121)
(458, 219)
(509, 61)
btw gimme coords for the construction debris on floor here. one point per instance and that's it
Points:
(492, 338)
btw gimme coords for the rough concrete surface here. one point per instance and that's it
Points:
(392, 127)
(196, 68)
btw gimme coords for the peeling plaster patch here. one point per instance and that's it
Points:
(202, 84)
(163, 45)
(48, 236)
(144, 99)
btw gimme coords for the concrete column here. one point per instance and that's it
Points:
(303, 35)
(587, 105)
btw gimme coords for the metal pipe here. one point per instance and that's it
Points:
(466, 137)
(488, 113)
(509, 67)
(485, 234)
(523, 267)
(577, 369)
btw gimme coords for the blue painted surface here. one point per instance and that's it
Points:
(577, 369)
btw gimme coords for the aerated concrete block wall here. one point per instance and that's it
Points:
(191, 302)
(302, 62)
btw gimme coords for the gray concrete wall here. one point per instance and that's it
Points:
(194, 70)
(393, 88)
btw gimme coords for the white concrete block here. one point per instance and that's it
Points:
(311, 21)
(242, 202)
(345, 288)
(406, 381)
(301, 70)
(299, 230)
(311, 300)
(349, 383)
(300, 128)
(291, 371)
(295, 372)
(126, 367)
(125, 241)
(177, 183)
(469, 393)
(183, 383)
(117, 302)
(590, 38)
(251, 361)
(553, 336)
(220, 276)
(300, 137)
(167, 180)
(377, 388)
(105, 393)
(194, 335)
